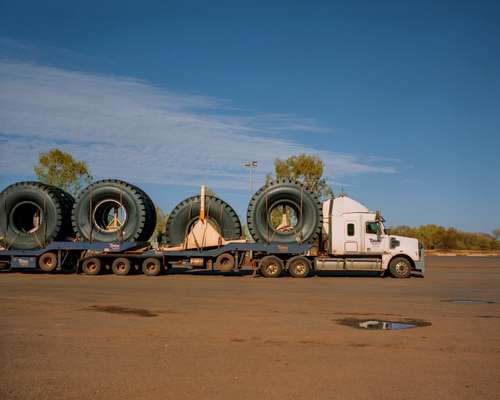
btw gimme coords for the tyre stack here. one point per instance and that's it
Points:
(33, 214)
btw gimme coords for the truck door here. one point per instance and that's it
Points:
(373, 237)
(351, 237)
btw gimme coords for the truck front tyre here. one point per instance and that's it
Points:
(121, 266)
(47, 262)
(400, 267)
(151, 267)
(92, 266)
(271, 267)
(299, 267)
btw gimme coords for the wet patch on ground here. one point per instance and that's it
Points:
(468, 301)
(140, 312)
(384, 325)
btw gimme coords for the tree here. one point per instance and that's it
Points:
(161, 222)
(307, 169)
(60, 169)
(496, 233)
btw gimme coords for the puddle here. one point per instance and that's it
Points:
(123, 310)
(376, 324)
(467, 301)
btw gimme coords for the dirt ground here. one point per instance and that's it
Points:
(237, 337)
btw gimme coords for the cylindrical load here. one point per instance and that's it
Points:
(284, 211)
(33, 214)
(185, 214)
(113, 210)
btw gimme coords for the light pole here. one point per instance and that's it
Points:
(251, 165)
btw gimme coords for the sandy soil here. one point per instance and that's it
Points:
(231, 337)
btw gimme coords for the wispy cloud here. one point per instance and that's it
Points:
(128, 128)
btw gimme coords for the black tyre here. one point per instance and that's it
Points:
(187, 212)
(271, 266)
(400, 267)
(299, 267)
(91, 266)
(47, 262)
(111, 210)
(67, 201)
(225, 262)
(121, 266)
(305, 207)
(32, 215)
(151, 267)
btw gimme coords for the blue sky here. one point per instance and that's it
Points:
(401, 99)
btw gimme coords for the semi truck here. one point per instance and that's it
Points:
(291, 232)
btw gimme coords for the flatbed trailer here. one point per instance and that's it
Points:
(125, 257)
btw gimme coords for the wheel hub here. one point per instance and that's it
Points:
(401, 267)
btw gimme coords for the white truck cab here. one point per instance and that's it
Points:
(355, 239)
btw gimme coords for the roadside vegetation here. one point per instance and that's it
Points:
(435, 237)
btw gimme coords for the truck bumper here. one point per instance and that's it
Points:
(420, 264)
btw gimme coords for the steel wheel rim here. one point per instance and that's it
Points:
(401, 268)
(151, 266)
(121, 266)
(272, 268)
(48, 261)
(300, 268)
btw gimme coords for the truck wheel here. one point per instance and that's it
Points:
(111, 210)
(47, 262)
(121, 266)
(32, 214)
(271, 266)
(225, 262)
(400, 267)
(91, 266)
(151, 267)
(186, 213)
(304, 211)
(299, 267)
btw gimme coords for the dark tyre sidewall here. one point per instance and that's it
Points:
(83, 213)
(187, 212)
(50, 221)
(309, 218)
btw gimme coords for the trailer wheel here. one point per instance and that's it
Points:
(121, 266)
(151, 266)
(284, 198)
(186, 214)
(47, 262)
(270, 266)
(400, 267)
(225, 262)
(91, 266)
(299, 267)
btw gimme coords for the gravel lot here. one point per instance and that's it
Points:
(197, 336)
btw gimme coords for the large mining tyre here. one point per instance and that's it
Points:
(111, 210)
(186, 213)
(33, 214)
(306, 206)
